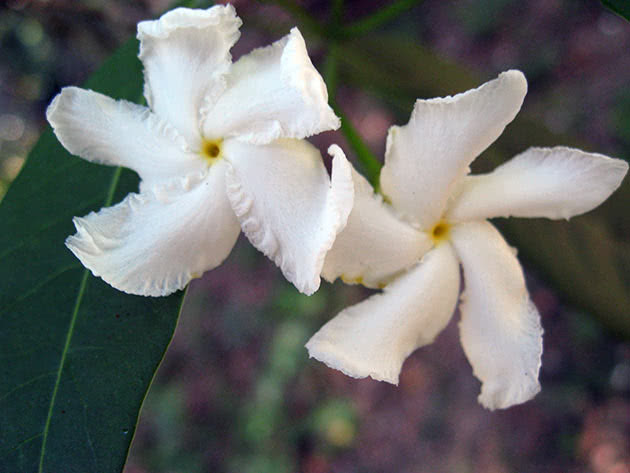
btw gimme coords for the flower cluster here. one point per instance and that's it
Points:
(221, 148)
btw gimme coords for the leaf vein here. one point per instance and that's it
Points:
(26, 383)
(22, 443)
(85, 418)
(38, 286)
(24, 241)
(73, 319)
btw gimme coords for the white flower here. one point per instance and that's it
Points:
(218, 150)
(437, 220)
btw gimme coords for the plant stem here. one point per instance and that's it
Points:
(336, 14)
(191, 4)
(370, 163)
(379, 18)
(330, 70)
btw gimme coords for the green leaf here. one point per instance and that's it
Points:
(621, 7)
(76, 356)
(585, 258)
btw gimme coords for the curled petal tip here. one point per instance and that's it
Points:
(327, 353)
(516, 77)
(342, 183)
(494, 397)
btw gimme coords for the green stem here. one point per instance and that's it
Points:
(369, 162)
(191, 4)
(379, 18)
(337, 12)
(330, 70)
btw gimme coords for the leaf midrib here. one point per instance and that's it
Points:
(75, 313)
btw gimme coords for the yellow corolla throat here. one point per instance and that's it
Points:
(212, 150)
(351, 280)
(440, 232)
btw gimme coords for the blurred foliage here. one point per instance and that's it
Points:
(263, 421)
(335, 422)
(621, 7)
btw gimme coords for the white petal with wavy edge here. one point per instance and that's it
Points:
(500, 326)
(185, 55)
(374, 337)
(279, 95)
(287, 205)
(375, 246)
(541, 182)
(154, 243)
(427, 157)
(120, 133)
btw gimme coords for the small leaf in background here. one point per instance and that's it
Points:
(335, 423)
(77, 355)
(621, 7)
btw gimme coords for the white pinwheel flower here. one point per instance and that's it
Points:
(218, 149)
(434, 219)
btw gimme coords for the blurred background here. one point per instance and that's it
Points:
(236, 391)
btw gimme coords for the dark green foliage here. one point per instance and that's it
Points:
(621, 7)
(76, 356)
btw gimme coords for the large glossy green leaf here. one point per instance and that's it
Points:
(621, 7)
(76, 356)
(585, 258)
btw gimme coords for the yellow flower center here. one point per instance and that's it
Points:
(440, 232)
(211, 150)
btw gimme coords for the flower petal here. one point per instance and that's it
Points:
(185, 55)
(373, 338)
(427, 157)
(375, 245)
(272, 92)
(287, 205)
(541, 182)
(154, 243)
(120, 133)
(500, 327)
